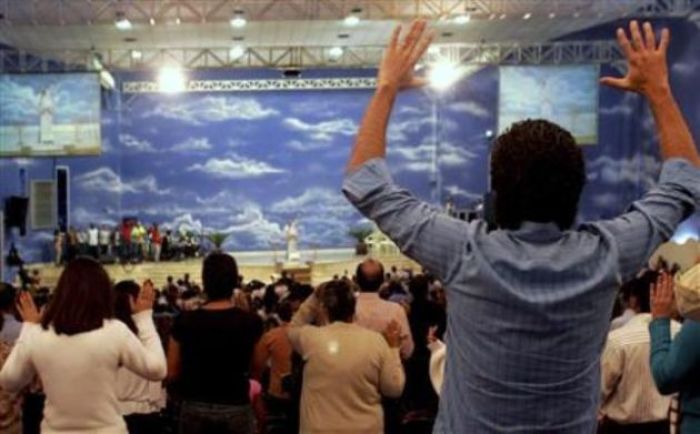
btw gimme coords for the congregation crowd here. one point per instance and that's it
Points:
(510, 327)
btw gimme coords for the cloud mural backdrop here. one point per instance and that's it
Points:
(246, 163)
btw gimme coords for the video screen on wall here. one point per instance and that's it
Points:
(49, 115)
(566, 95)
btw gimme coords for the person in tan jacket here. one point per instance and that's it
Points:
(347, 367)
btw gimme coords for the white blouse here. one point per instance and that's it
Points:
(79, 373)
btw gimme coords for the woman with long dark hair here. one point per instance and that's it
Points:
(140, 400)
(77, 348)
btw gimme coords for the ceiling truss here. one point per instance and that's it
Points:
(551, 53)
(89, 12)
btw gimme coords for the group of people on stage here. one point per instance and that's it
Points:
(510, 322)
(130, 241)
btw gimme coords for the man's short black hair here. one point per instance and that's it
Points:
(338, 299)
(639, 288)
(369, 280)
(219, 275)
(537, 174)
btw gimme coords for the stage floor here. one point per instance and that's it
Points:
(263, 266)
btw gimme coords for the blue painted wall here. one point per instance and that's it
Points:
(246, 163)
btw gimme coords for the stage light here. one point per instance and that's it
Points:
(177, 21)
(171, 80)
(238, 20)
(122, 22)
(462, 19)
(489, 134)
(443, 74)
(335, 52)
(552, 15)
(136, 54)
(236, 52)
(527, 16)
(152, 21)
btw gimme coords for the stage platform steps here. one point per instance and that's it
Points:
(158, 272)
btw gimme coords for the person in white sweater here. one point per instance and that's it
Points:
(140, 400)
(77, 348)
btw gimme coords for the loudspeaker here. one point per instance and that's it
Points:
(16, 213)
(63, 197)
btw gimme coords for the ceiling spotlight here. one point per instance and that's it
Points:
(502, 17)
(335, 52)
(152, 21)
(488, 134)
(354, 18)
(527, 16)
(136, 54)
(552, 15)
(122, 22)
(238, 20)
(178, 21)
(443, 74)
(492, 17)
(577, 14)
(171, 80)
(236, 52)
(462, 19)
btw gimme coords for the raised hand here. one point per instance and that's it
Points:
(27, 309)
(662, 300)
(392, 334)
(647, 65)
(145, 299)
(400, 57)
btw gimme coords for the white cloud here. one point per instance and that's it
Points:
(133, 143)
(83, 217)
(315, 201)
(311, 145)
(471, 108)
(200, 111)
(606, 200)
(185, 222)
(323, 131)
(193, 145)
(235, 167)
(626, 107)
(420, 158)
(105, 180)
(456, 191)
(637, 169)
(250, 221)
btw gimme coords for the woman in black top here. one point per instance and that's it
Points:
(210, 355)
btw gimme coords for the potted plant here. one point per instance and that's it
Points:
(360, 233)
(217, 239)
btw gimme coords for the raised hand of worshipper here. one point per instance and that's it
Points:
(27, 309)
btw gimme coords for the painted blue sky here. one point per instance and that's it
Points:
(246, 163)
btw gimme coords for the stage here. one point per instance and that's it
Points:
(319, 265)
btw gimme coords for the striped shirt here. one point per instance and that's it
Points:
(528, 310)
(629, 394)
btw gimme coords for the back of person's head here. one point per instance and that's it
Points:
(635, 292)
(126, 292)
(270, 299)
(285, 311)
(338, 299)
(369, 275)
(82, 299)
(419, 287)
(219, 276)
(537, 174)
(8, 295)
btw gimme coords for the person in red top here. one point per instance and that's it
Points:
(156, 242)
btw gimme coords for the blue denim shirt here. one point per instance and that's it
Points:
(528, 310)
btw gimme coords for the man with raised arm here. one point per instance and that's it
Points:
(529, 303)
